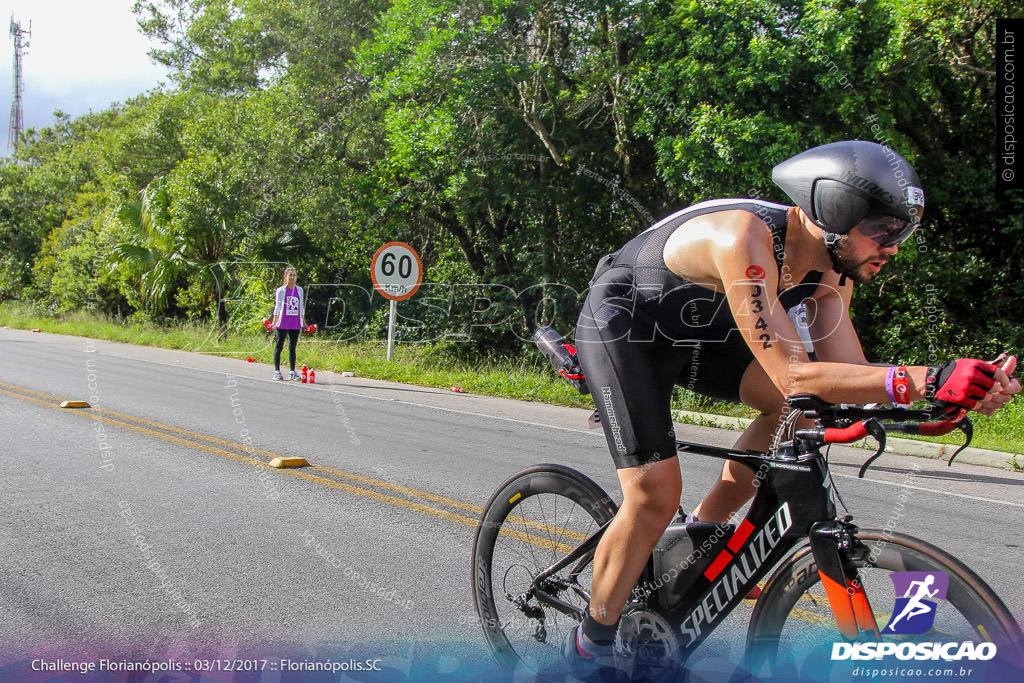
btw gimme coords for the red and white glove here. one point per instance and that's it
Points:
(959, 383)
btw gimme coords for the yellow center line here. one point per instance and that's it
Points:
(48, 404)
(822, 620)
(416, 493)
(366, 493)
(195, 435)
(568, 533)
(29, 391)
(158, 425)
(148, 432)
(425, 509)
(356, 477)
(401, 489)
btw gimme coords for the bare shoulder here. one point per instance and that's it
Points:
(696, 249)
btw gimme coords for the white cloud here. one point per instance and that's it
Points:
(82, 55)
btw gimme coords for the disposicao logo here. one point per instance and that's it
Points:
(914, 613)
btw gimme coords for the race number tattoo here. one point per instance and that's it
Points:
(758, 306)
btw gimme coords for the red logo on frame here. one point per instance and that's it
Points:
(755, 273)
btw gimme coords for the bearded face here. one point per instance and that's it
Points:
(848, 263)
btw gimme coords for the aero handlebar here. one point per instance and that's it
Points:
(859, 430)
(846, 424)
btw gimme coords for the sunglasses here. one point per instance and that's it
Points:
(887, 231)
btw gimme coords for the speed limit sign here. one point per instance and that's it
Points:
(396, 271)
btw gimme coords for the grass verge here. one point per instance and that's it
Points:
(529, 378)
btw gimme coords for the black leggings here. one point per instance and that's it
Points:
(293, 339)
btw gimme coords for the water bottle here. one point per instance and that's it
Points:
(682, 554)
(266, 324)
(563, 356)
(305, 373)
(312, 376)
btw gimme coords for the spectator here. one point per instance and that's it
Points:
(289, 318)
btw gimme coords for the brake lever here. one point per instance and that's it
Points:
(965, 426)
(876, 430)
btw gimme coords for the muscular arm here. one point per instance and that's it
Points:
(747, 269)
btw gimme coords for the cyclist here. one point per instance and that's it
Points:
(704, 299)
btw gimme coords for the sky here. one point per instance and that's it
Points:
(82, 55)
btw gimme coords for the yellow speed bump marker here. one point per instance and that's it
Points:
(289, 462)
(75, 404)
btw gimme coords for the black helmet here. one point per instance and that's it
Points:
(839, 184)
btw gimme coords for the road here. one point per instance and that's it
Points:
(150, 527)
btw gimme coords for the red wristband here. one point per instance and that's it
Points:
(901, 387)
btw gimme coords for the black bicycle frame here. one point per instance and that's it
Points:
(793, 502)
(793, 494)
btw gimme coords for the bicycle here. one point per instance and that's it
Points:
(830, 584)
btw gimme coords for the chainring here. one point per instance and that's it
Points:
(646, 636)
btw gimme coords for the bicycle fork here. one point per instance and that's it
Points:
(845, 592)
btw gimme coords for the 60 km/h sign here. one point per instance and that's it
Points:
(396, 271)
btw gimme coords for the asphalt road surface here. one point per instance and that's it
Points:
(149, 527)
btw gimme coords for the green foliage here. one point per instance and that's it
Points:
(512, 144)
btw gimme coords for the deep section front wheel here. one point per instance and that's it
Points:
(792, 629)
(533, 520)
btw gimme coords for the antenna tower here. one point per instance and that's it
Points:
(17, 126)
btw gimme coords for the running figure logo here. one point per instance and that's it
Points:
(914, 612)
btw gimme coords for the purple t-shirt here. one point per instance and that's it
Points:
(288, 306)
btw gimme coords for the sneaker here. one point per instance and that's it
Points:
(277, 374)
(293, 375)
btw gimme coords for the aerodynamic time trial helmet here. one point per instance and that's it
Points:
(840, 184)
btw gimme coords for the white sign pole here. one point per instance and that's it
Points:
(391, 329)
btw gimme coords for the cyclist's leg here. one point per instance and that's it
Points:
(650, 500)
(632, 386)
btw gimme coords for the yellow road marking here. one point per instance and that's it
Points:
(425, 509)
(144, 430)
(27, 391)
(459, 519)
(195, 435)
(452, 503)
(401, 489)
(48, 404)
(558, 531)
